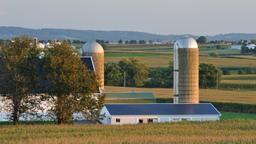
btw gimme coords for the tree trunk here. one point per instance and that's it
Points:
(16, 108)
(63, 112)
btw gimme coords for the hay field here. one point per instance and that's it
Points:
(213, 95)
(238, 131)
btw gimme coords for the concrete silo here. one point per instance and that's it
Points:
(96, 51)
(186, 71)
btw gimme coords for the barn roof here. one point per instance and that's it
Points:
(162, 109)
(88, 61)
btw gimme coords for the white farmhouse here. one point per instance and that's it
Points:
(119, 114)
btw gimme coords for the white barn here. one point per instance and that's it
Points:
(119, 114)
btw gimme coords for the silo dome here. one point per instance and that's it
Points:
(186, 43)
(91, 47)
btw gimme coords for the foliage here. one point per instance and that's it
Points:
(20, 77)
(160, 77)
(238, 70)
(120, 42)
(72, 85)
(209, 76)
(136, 72)
(202, 40)
(235, 107)
(113, 74)
(213, 54)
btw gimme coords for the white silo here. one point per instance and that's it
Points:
(186, 71)
(97, 52)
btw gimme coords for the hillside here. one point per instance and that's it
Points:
(47, 34)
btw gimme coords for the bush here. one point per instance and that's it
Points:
(213, 54)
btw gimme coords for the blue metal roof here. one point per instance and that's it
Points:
(162, 109)
(87, 60)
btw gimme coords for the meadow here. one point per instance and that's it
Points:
(224, 131)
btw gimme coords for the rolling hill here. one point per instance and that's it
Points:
(49, 34)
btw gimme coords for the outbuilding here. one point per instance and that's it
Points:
(119, 114)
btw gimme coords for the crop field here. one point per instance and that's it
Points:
(161, 56)
(227, 131)
(239, 81)
(213, 95)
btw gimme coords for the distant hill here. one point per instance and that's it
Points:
(49, 34)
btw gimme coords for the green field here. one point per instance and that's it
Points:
(237, 116)
(228, 131)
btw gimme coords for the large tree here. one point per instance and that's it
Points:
(202, 40)
(71, 84)
(209, 76)
(136, 72)
(113, 74)
(19, 77)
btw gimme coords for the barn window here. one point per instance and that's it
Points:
(140, 120)
(150, 120)
(118, 120)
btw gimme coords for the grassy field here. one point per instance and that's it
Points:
(235, 131)
(214, 95)
(237, 116)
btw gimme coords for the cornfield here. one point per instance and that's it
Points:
(185, 132)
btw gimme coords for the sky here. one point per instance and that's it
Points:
(199, 17)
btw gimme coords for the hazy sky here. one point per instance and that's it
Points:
(156, 16)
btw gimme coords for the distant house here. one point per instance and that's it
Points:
(119, 114)
(251, 46)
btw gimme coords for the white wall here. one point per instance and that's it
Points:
(171, 118)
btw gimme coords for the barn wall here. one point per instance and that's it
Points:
(161, 119)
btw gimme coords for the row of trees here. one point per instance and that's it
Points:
(127, 72)
(130, 72)
(30, 76)
(134, 42)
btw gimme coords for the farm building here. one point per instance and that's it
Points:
(119, 114)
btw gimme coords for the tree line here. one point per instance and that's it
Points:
(133, 73)
(30, 76)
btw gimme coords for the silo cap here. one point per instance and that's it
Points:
(186, 43)
(91, 47)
